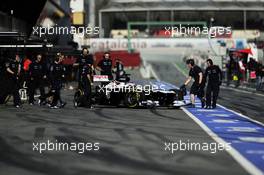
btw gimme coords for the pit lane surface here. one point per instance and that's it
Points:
(131, 142)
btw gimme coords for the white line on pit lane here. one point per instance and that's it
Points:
(223, 121)
(258, 152)
(239, 129)
(218, 115)
(255, 152)
(206, 110)
(252, 139)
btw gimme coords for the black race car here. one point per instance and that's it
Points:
(141, 93)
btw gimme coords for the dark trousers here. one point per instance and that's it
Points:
(56, 97)
(212, 89)
(198, 90)
(55, 91)
(33, 86)
(14, 90)
(87, 89)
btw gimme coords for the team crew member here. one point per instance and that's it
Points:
(197, 87)
(57, 74)
(214, 75)
(84, 60)
(13, 69)
(119, 69)
(105, 66)
(2, 68)
(85, 83)
(36, 75)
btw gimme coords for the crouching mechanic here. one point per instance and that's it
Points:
(197, 87)
(214, 75)
(57, 74)
(120, 72)
(119, 69)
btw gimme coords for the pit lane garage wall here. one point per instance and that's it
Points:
(189, 46)
(141, 44)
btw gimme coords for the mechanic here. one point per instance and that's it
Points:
(214, 74)
(259, 76)
(105, 66)
(197, 87)
(83, 60)
(36, 75)
(57, 74)
(2, 68)
(86, 85)
(13, 69)
(119, 69)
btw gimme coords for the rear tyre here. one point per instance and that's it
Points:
(77, 98)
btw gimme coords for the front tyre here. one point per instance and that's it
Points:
(132, 99)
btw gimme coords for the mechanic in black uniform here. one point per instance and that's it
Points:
(57, 74)
(36, 75)
(214, 74)
(119, 69)
(3, 82)
(105, 66)
(2, 67)
(197, 87)
(86, 84)
(84, 60)
(13, 69)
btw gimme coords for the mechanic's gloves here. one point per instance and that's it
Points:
(183, 89)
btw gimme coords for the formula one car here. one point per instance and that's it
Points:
(141, 93)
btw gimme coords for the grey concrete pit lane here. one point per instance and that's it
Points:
(131, 142)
